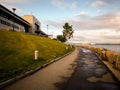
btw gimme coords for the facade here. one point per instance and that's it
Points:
(10, 21)
(34, 23)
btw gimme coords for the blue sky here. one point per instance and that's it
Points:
(95, 21)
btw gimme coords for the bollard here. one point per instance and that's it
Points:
(66, 48)
(36, 54)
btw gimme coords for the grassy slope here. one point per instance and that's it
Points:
(17, 52)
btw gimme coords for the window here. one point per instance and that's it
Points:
(15, 26)
(5, 23)
(9, 24)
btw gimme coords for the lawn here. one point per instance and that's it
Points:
(17, 52)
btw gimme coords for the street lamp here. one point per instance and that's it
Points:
(13, 21)
(14, 9)
(47, 29)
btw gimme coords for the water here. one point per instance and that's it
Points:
(110, 47)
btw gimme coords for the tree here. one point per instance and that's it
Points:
(61, 38)
(68, 31)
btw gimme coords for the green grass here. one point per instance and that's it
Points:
(17, 52)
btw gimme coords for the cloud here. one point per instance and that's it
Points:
(18, 10)
(74, 5)
(82, 13)
(92, 36)
(111, 1)
(54, 24)
(13, 1)
(99, 11)
(107, 21)
(8, 4)
(99, 3)
(84, 22)
(59, 3)
(63, 4)
(105, 3)
(104, 28)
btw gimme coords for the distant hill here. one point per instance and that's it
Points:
(17, 52)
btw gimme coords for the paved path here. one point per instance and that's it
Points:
(47, 78)
(81, 70)
(91, 74)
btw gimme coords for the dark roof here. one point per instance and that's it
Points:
(12, 16)
(43, 33)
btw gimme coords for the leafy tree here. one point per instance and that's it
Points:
(61, 38)
(68, 31)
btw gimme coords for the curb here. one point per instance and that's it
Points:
(10, 81)
(115, 72)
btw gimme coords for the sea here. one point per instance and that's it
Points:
(110, 47)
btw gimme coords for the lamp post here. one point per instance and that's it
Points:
(14, 9)
(47, 29)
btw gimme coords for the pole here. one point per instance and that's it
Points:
(14, 9)
(13, 12)
(47, 29)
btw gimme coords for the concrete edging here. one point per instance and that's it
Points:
(12, 80)
(114, 71)
(108, 64)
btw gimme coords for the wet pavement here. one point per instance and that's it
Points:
(81, 70)
(90, 74)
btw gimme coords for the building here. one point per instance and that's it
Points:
(10, 21)
(34, 23)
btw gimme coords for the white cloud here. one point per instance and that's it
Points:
(99, 36)
(82, 13)
(8, 4)
(63, 4)
(99, 3)
(18, 10)
(59, 3)
(74, 5)
(111, 1)
(55, 24)
(99, 11)
(84, 22)
(108, 21)
(103, 28)
(13, 1)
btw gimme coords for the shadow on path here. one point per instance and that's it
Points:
(90, 74)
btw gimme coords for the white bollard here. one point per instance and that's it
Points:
(66, 48)
(36, 54)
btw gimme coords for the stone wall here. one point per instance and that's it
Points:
(105, 54)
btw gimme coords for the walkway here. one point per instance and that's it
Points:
(81, 70)
(46, 78)
(91, 74)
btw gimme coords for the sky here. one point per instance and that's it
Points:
(93, 21)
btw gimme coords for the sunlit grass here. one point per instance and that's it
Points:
(17, 52)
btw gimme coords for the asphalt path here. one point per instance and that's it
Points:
(47, 78)
(91, 74)
(81, 70)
